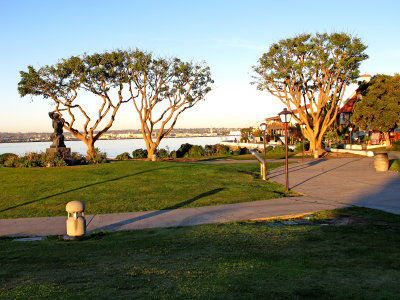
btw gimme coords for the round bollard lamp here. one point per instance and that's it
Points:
(76, 222)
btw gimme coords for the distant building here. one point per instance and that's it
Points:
(344, 113)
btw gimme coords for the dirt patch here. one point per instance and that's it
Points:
(343, 220)
(350, 220)
(331, 220)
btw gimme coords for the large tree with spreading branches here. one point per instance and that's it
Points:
(161, 90)
(99, 74)
(310, 73)
(378, 108)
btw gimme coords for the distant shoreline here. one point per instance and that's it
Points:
(116, 139)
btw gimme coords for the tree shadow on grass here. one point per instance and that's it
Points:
(82, 187)
(117, 225)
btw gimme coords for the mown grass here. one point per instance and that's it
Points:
(394, 165)
(395, 147)
(125, 186)
(246, 260)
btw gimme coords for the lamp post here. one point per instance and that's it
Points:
(351, 138)
(286, 116)
(264, 128)
(303, 126)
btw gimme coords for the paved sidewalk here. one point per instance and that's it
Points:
(167, 218)
(351, 181)
(326, 184)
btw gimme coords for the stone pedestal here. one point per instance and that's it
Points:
(60, 152)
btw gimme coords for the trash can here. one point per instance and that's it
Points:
(381, 162)
(76, 222)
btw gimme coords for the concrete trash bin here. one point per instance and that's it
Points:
(76, 222)
(381, 162)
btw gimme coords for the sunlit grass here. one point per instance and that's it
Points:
(125, 186)
(394, 165)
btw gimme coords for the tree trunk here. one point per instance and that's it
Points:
(91, 151)
(387, 139)
(150, 151)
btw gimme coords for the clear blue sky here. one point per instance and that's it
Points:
(229, 36)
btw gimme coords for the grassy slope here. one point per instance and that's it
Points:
(221, 261)
(129, 186)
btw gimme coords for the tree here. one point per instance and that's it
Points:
(310, 74)
(97, 74)
(379, 107)
(161, 90)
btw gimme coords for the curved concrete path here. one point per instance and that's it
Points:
(347, 181)
(325, 183)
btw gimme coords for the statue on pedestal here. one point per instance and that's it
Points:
(57, 137)
(58, 148)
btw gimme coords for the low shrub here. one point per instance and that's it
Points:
(269, 148)
(183, 150)
(139, 153)
(241, 151)
(56, 162)
(299, 146)
(98, 157)
(223, 150)
(173, 154)
(13, 161)
(32, 160)
(77, 159)
(123, 156)
(196, 151)
(211, 149)
(278, 149)
(163, 153)
(5, 156)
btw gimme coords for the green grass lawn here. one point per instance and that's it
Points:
(125, 186)
(394, 165)
(395, 147)
(245, 260)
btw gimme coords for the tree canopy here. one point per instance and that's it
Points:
(309, 73)
(379, 106)
(64, 81)
(160, 89)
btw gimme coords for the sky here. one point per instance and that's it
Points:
(229, 36)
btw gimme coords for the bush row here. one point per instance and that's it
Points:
(185, 151)
(41, 159)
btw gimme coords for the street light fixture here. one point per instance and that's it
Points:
(302, 126)
(264, 128)
(351, 137)
(286, 116)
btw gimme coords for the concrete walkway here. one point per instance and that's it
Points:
(346, 181)
(326, 184)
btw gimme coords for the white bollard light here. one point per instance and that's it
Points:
(76, 222)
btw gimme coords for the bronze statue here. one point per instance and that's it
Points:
(57, 137)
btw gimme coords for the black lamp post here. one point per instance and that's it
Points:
(264, 128)
(302, 126)
(286, 116)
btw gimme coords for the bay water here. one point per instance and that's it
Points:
(111, 147)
